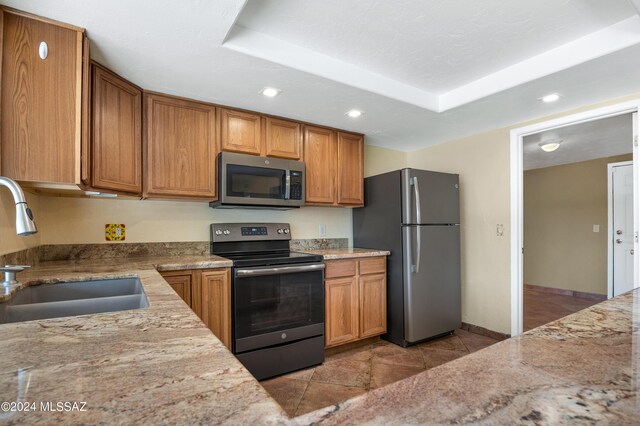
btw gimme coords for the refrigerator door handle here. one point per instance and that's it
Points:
(416, 193)
(418, 247)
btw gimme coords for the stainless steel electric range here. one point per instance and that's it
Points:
(277, 298)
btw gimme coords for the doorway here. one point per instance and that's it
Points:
(518, 246)
(620, 250)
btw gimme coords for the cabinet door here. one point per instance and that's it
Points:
(41, 100)
(240, 132)
(350, 169)
(320, 161)
(182, 285)
(341, 310)
(180, 148)
(117, 133)
(283, 138)
(213, 303)
(373, 305)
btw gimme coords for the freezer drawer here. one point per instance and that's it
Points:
(431, 281)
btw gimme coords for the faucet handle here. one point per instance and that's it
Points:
(10, 272)
(14, 268)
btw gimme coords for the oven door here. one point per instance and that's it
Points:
(276, 305)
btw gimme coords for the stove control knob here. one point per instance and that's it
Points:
(280, 231)
(286, 231)
(218, 232)
(226, 232)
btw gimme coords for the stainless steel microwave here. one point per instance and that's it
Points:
(250, 181)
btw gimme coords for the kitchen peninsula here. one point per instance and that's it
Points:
(161, 364)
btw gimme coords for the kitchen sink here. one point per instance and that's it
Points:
(74, 298)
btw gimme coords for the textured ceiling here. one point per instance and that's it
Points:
(435, 48)
(177, 48)
(581, 142)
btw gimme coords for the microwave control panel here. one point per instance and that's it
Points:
(296, 185)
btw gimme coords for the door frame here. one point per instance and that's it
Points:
(610, 167)
(517, 193)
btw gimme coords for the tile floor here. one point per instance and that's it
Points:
(542, 307)
(351, 373)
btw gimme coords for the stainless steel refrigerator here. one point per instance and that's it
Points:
(415, 214)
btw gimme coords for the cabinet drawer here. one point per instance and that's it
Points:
(375, 265)
(340, 268)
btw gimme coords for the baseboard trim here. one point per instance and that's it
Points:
(476, 329)
(564, 292)
(352, 345)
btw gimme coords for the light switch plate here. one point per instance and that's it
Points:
(596, 228)
(115, 231)
(322, 229)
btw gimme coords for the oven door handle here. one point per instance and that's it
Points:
(256, 272)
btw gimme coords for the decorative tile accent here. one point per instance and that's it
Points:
(319, 244)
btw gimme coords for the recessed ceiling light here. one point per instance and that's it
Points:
(550, 98)
(354, 113)
(270, 92)
(550, 145)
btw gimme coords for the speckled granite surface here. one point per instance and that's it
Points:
(348, 253)
(162, 365)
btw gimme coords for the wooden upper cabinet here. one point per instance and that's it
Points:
(350, 169)
(180, 148)
(240, 132)
(41, 102)
(283, 138)
(117, 133)
(320, 160)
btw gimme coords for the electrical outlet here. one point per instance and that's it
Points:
(322, 229)
(596, 228)
(115, 231)
(499, 230)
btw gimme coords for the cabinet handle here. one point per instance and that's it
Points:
(43, 50)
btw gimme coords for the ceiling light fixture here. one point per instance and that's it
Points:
(550, 98)
(550, 145)
(354, 113)
(270, 92)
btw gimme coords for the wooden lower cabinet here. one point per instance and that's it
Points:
(208, 294)
(341, 310)
(355, 300)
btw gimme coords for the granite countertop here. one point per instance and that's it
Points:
(162, 365)
(348, 253)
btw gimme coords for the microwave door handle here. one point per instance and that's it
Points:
(287, 185)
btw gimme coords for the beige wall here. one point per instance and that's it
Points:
(9, 241)
(381, 160)
(82, 220)
(484, 203)
(561, 205)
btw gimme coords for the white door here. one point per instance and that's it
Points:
(622, 229)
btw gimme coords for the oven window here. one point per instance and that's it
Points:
(255, 182)
(271, 303)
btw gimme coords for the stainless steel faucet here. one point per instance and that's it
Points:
(24, 217)
(24, 226)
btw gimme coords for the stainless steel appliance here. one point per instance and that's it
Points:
(250, 181)
(277, 298)
(415, 214)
